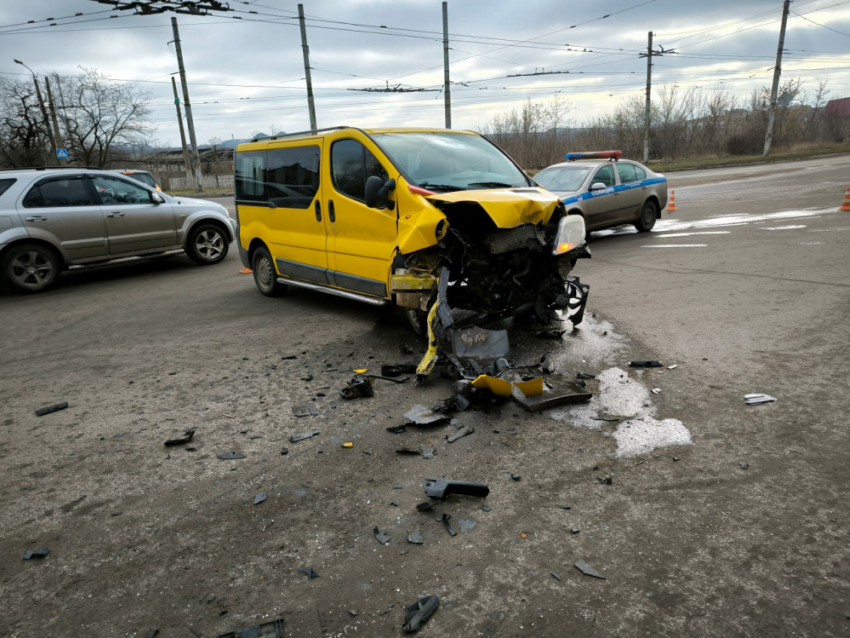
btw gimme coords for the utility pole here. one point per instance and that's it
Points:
(446, 82)
(42, 107)
(648, 115)
(57, 135)
(182, 132)
(196, 159)
(306, 51)
(777, 71)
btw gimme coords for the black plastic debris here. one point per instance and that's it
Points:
(259, 498)
(380, 536)
(308, 571)
(441, 488)
(445, 521)
(605, 480)
(587, 377)
(398, 370)
(288, 357)
(744, 466)
(466, 430)
(231, 456)
(427, 452)
(308, 377)
(565, 507)
(556, 391)
(420, 415)
(646, 364)
(419, 612)
(588, 570)
(51, 408)
(359, 387)
(424, 507)
(405, 349)
(407, 452)
(555, 576)
(758, 398)
(550, 334)
(305, 409)
(612, 418)
(397, 429)
(182, 439)
(284, 451)
(303, 437)
(415, 538)
(41, 552)
(273, 629)
(390, 379)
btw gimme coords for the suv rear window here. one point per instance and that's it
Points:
(5, 184)
(58, 193)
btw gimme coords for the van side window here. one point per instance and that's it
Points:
(58, 193)
(351, 165)
(248, 176)
(292, 176)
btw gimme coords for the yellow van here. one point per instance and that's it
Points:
(406, 216)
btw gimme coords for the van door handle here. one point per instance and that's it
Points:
(331, 211)
(36, 218)
(318, 211)
(115, 214)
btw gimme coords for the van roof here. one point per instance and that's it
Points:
(264, 142)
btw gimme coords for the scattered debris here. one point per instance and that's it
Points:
(41, 552)
(555, 576)
(51, 408)
(516, 477)
(588, 570)
(744, 466)
(420, 415)
(288, 357)
(352, 613)
(503, 388)
(407, 452)
(419, 612)
(358, 387)
(195, 630)
(361, 371)
(486, 508)
(646, 364)
(398, 370)
(427, 452)
(398, 486)
(308, 377)
(484, 346)
(424, 507)
(574, 530)
(565, 507)
(675, 458)
(231, 456)
(295, 438)
(441, 488)
(464, 431)
(656, 390)
(380, 536)
(348, 445)
(308, 571)
(613, 418)
(554, 393)
(273, 629)
(397, 429)
(587, 377)
(445, 521)
(554, 335)
(181, 440)
(415, 538)
(305, 409)
(673, 367)
(405, 349)
(259, 498)
(153, 632)
(390, 379)
(758, 399)
(284, 451)
(605, 480)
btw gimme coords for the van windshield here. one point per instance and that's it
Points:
(450, 161)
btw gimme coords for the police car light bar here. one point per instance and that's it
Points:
(594, 155)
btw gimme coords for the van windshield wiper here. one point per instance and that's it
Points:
(443, 187)
(493, 185)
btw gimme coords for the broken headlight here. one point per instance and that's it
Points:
(570, 235)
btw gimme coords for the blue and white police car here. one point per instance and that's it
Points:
(607, 191)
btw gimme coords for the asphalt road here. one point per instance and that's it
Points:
(746, 289)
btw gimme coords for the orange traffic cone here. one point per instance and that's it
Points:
(671, 205)
(246, 271)
(846, 204)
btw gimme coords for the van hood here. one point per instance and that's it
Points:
(507, 207)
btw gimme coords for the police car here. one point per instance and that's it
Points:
(607, 191)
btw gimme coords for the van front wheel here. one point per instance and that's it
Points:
(265, 275)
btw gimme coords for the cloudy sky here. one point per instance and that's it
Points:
(247, 74)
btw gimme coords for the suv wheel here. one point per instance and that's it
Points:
(207, 244)
(265, 275)
(648, 215)
(30, 267)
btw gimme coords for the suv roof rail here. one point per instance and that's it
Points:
(299, 133)
(53, 168)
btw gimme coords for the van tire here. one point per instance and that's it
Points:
(20, 259)
(265, 275)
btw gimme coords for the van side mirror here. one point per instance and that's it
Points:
(377, 192)
(156, 198)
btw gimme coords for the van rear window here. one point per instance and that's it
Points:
(249, 169)
(286, 177)
(5, 184)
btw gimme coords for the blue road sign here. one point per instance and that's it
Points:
(62, 153)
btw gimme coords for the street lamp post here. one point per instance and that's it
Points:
(53, 142)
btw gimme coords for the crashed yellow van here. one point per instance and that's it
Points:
(431, 220)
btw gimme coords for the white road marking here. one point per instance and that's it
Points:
(781, 227)
(676, 246)
(707, 232)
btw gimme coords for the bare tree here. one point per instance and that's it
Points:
(23, 136)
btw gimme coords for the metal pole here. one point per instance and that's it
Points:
(56, 133)
(446, 82)
(182, 131)
(647, 117)
(196, 158)
(306, 50)
(777, 71)
(41, 106)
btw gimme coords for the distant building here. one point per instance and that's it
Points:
(838, 107)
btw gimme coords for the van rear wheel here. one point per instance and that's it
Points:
(265, 275)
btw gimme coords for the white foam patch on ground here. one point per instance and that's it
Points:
(621, 230)
(792, 227)
(676, 246)
(592, 342)
(664, 225)
(706, 232)
(620, 394)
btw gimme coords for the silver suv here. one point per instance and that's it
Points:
(58, 219)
